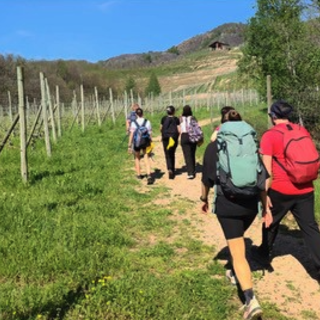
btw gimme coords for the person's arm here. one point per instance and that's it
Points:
(130, 142)
(208, 174)
(148, 125)
(128, 126)
(214, 136)
(266, 202)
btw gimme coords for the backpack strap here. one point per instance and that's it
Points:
(289, 127)
(136, 123)
(144, 122)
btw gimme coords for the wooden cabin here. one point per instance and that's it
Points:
(217, 45)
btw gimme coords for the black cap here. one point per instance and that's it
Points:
(280, 109)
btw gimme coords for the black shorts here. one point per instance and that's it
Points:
(235, 227)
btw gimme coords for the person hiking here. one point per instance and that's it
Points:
(188, 147)
(170, 131)
(223, 111)
(235, 216)
(139, 124)
(131, 117)
(283, 194)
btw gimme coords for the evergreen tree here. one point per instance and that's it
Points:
(130, 85)
(153, 86)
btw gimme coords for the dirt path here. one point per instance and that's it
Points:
(290, 286)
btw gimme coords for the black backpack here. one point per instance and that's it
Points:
(170, 128)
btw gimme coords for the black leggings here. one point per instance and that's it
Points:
(171, 153)
(235, 227)
(189, 153)
(302, 208)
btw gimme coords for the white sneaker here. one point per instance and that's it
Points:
(231, 277)
(252, 311)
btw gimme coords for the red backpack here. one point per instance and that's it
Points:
(301, 156)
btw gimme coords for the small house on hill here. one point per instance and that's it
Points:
(217, 45)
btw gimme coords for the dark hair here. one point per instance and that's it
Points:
(280, 110)
(186, 111)
(225, 110)
(171, 110)
(232, 115)
(139, 112)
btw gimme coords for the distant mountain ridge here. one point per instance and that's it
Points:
(230, 33)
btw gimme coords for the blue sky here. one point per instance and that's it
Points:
(96, 30)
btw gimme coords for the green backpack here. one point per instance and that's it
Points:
(241, 173)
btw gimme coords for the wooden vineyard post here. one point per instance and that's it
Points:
(112, 106)
(23, 126)
(45, 114)
(82, 107)
(58, 110)
(97, 105)
(10, 107)
(54, 135)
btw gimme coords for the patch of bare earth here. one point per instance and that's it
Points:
(204, 73)
(290, 286)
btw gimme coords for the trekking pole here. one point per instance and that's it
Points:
(121, 143)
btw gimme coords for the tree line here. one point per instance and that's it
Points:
(69, 75)
(282, 40)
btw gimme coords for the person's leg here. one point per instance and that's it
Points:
(185, 145)
(193, 149)
(165, 143)
(303, 212)
(281, 204)
(234, 228)
(147, 161)
(137, 162)
(240, 263)
(172, 156)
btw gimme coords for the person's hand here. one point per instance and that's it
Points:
(205, 208)
(204, 205)
(267, 217)
(129, 150)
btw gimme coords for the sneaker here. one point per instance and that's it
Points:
(260, 256)
(140, 177)
(190, 176)
(252, 311)
(232, 277)
(150, 180)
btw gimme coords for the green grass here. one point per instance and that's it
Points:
(75, 242)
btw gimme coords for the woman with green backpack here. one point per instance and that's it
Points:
(235, 212)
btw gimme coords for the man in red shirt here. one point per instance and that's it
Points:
(282, 194)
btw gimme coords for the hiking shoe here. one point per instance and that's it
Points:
(252, 311)
(231, 277)
(260, 256)
(150, 180)
(171, 174)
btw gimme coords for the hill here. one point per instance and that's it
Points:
(230, 33)
(190, 65)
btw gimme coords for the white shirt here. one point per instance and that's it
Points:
(184, 123)
(140, 121)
